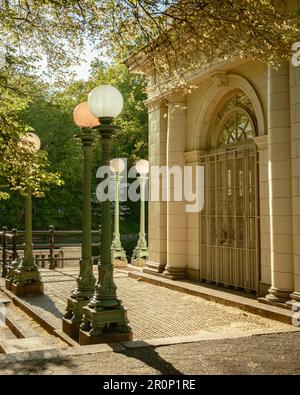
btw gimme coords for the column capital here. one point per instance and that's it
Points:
(261, 142)
(177, 99)
(155, 104)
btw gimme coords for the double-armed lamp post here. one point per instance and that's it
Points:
(104, 319)
(24, 278)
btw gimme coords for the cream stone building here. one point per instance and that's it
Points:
(242, 123)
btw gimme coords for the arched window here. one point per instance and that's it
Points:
(237, 121)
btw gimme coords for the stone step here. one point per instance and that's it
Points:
(4, 300)
(28, 344)
(21, 324)
(5, 332)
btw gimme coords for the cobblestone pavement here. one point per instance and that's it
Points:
(154, 312)
(265, 354)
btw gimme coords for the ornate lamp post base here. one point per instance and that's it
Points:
(118, 256)
(73, 317)
(104, 326)
(25, 281)
(79, 299)
(140, 253)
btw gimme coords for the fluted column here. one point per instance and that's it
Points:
(280, 183)
(176, 214)
(157, 206)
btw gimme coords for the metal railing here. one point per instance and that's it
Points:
(8, 247)
(49, 246)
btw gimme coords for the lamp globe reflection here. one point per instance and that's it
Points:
(105, 101)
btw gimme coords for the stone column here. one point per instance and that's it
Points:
(264, 209)
(157, 208)
(295, 127)
(176, 214)
(280, 174)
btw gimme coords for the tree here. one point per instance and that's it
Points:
(175, 37)
(50, 114)
(20, 167)
(209, 28)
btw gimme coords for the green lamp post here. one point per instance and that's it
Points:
(86, 280)
(26, 276)
(105, 319)
(140, 253)
(117, 166)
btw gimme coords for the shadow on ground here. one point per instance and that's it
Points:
(38, 366)
(150, 357)
(45, 303)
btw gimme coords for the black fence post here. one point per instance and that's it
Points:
(4, 252)
(52, 263)
(14, 244)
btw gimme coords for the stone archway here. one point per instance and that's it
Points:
(224, 85)
(227, 125)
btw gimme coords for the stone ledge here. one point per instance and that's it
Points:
(27, 344)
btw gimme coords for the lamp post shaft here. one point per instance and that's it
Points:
(141, 250)
(106, 238)
(28, 253)
(142, 208)
(86, 280)
(86, 212)
(24, 277)
(117, 211)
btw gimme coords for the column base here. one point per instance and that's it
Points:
(73, 317)
(153, 267)
(175, 273)
(296, 296)
(277, 296)
(104, 326)
(295, 302)
(21, 289)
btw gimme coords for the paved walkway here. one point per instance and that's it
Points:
(266, 354)
(154, 312)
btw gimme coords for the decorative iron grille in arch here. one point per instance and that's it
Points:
(237, 121)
